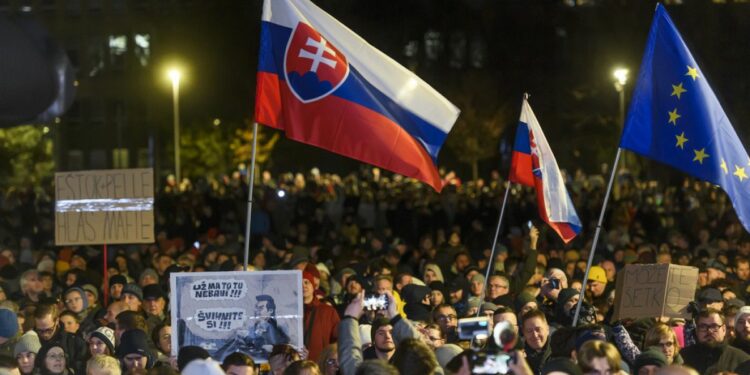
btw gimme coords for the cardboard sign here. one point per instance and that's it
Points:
(104, 207)
(227, 312)
(653, 290)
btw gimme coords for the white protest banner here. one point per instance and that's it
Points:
(104, 207)
(227, 312)
(652, 290)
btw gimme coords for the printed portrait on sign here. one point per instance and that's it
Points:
(227, 312)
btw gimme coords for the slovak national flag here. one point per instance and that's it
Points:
(323, 85)
(533, 164)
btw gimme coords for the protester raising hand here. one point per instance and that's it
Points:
(356, 307)
(533, 237)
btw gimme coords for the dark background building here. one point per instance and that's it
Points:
(481, 54)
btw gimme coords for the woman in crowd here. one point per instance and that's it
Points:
(662, 337)
(52, 360)
(25, 352)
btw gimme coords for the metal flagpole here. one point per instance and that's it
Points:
(596, 237)
(494, 246)
(250, 195)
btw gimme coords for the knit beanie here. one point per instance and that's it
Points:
(29, 342)
(203, 367)
(134, 290)
(376, 324)
(8, 324)
(743, 311)
(107, 335)
(522, 299)
(188, 354)
(566, 294)
(92, 289)
(309, 277)
(446, 353)
(118, 279)
(134, 341)
(652, 357)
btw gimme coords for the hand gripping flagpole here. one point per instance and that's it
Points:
(596, 237)
(494, 246)
(250, 196)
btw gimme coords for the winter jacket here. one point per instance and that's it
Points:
(320, 327)
(709, 360)
(75, 348)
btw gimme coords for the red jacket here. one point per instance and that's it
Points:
(321, 327)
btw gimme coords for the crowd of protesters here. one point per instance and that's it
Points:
(427, 253)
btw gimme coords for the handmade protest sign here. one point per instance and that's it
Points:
(653, 290)
(227, 312)
(104, 207)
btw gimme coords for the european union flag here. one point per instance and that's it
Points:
(675, 118)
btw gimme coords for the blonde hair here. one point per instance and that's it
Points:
(103, 364)
(327, 352)
(598, 349)
(657, 332)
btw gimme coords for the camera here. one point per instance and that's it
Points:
(474, 328)
(498, 354)
(554, 283)
(376, 302)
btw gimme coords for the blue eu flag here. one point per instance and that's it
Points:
(675, 118)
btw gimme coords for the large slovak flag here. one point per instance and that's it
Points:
(533, 164)
(323, 85)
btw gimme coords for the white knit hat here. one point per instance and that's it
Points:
(203, 367)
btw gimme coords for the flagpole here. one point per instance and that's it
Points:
(250, 196)
(494, 246)
(596, 237)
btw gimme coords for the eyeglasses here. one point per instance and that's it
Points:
(447, 318)
(709, 327)
(495, 286)
(43, 331)
(56, 357)
(667, 345)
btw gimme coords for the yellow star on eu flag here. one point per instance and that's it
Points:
(681, 140)
(739, 172)
(692, 72)
(678, 90)
(724, 166)
(700, 155)
(673, 116)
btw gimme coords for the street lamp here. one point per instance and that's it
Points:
(621, 78)
(175, 75)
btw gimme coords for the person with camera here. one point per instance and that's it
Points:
(388, 329)
(554, 281)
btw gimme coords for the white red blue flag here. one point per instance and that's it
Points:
(323, 85)
(533, 164)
